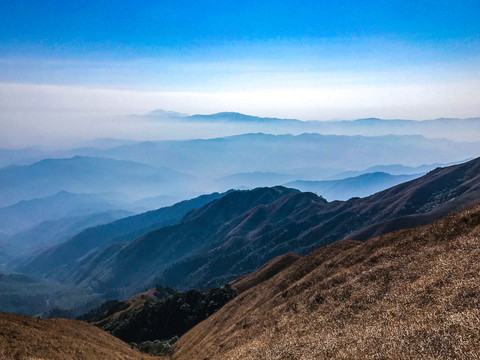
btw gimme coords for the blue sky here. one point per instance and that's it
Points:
(305, 59)
(128, 29)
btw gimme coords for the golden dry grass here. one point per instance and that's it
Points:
(267, 271)
(26, 338)
(411, 294)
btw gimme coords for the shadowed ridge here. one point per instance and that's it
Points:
(398, 295)
(237, 202)
(420, 201)
(122, 230)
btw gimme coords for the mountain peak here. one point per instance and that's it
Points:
(226, 116)
(166, 113)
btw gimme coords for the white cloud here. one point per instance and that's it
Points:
(33, 114)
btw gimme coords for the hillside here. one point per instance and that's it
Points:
(30, 295)
(59, 339)
(358, 186)
(241, 231)
(128, 268)
(123, 230)
(407, 294)
(165, 318)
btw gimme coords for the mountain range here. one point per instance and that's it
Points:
(393, 169)
(450, 128)
(287, 154)
(306, 156)
(405, 293)
(94, 240)
(52, 232)
(82, 174)
(27, 213)
(290, 254)
(242, 230)
(358, 186)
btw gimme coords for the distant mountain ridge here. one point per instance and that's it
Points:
(52, 232)
(85, 174)
(235, 116)
(341, 189)
(258, 152)
(358, 186)
(27, 213)
(394, 169)
(225, 124)
(451, 128)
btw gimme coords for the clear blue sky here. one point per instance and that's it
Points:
(136, 28)
(236, 46)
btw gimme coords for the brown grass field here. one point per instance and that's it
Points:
(26, 338)
(411, 294)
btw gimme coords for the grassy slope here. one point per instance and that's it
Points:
(59, 339)
(413, 293)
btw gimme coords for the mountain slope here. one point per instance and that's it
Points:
(123, 230)
(408, 294)
(129, 268)
(59, 339)
(28, 295)
(270, 269)
(359, 186)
